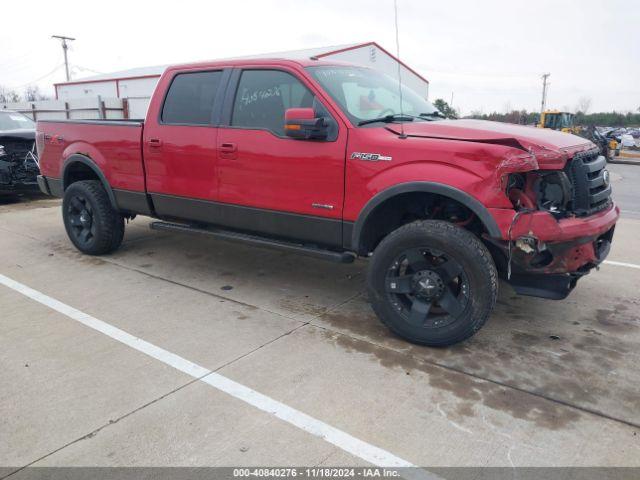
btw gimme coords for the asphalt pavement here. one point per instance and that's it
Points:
(186, 351)
(626, 188)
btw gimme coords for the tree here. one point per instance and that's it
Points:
(584, 104)
(445, 109)
(603, 119)
(8, 96)
(32, 94)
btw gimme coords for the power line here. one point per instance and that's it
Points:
(85, 69)
(27, 56)
(58, 67)
(25, 62)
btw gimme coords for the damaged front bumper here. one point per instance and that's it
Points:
(17, 176)
(546, 256)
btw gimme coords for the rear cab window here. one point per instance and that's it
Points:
(190, 98)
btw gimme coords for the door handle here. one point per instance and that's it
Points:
(155, 142)
(228, 147)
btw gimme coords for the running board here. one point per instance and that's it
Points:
(339, 257)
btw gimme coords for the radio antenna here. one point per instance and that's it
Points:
(395, 8)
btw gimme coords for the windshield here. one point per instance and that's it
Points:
(558, 120)
(567, 120)
(15, 121)
(365, 94)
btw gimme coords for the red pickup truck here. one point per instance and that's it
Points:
(336, 161)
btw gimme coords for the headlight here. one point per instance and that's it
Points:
(541, 190)
(553, 191)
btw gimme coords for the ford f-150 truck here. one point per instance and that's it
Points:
(338, 161)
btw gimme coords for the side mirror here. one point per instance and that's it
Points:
(301, 123)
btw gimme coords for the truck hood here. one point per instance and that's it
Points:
(22, 134)
(551, 147)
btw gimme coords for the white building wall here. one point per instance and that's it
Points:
(138, 87)
(371, 56)
(138, 108)
(138, 91)
(106, 88)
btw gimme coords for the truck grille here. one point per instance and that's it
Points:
(20, 164)
(17, 150)
(590, 181)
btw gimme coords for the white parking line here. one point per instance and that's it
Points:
(340, 439)
(622, 264)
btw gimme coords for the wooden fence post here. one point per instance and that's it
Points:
(34, 112)
(125, 108)
(66, 109)
(101, 109)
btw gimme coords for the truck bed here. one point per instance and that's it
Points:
(114, 146)
(100, 121)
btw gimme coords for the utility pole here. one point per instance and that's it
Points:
(545, 85)
(64, 50)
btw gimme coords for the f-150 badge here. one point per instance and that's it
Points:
(370, 157)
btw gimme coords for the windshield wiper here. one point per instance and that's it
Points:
(432, 114)
(389, 119)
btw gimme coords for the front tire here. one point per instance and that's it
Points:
(92, 224)
(432, 283)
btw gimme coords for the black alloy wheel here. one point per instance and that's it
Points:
(80, 215)
(92, 224)
(432, 282)
(428, 288)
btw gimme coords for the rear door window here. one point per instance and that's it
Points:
(190, 99)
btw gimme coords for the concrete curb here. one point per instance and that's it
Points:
(626, 161)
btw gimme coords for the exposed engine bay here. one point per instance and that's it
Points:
(534, 265)
(18, 158)
(582, 188)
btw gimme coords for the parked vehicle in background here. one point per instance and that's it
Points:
(615, 139)
(556, 120)
(627, 140)
(322, 158)
(608, 147)
(18, 160)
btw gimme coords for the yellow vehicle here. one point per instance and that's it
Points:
(614, 147)
(557, 120)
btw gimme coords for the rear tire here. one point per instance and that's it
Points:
(92, 224)
(432, 283)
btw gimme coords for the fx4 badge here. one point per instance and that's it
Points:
(370, 157)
